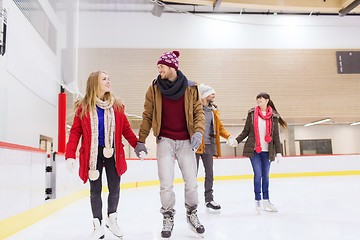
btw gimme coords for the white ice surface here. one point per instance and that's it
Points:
(309, 208)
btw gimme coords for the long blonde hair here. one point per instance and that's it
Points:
(88, 103)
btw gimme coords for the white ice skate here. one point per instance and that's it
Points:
(194, 223)
(98, 232)
(112, 225)
(213, 207)
(168, 225)
(268, 206)
(258, 206)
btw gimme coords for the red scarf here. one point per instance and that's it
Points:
(267, 118)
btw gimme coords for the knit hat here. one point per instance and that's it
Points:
(170, 59)
(205, 90)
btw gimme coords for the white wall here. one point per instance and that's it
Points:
(22, 181)
(143, 30)
(28, 91)
(344, 138)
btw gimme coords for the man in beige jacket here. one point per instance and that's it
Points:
(174, 111)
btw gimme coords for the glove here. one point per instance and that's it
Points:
(196, 141)
(278, 157)
(140, 147)
(70, 164)
(231, 141)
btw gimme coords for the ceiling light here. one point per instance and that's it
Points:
(354, 123)
(158, 9)
(317, 122)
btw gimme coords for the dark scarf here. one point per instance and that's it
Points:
(173, 90)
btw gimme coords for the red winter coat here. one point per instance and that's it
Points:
(82, 128)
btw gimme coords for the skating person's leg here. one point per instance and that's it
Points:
(187, 164)
(113, 180)
(256, 165)
(265, 169)
(95, 200)
(165, 161)
(265, 165)
(208, 161)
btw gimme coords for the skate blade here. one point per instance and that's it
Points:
(120, 237)
(213, 211)
(269, 210)
(194, 230)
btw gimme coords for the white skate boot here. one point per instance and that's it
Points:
(268, 206)
(194, 223)
(112, 225)
(168, 225)
(98, 232)
(258, 206)
(213, 207)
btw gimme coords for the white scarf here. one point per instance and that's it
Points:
(109, 126)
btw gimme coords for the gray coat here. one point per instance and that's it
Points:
(248, 131)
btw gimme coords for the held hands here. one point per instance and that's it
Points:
(231, 141)
(140, 150)
(278, 157)
(196, 140)
(70, 164)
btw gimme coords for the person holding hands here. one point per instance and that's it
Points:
(263, 143)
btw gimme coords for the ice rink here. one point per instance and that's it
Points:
(309, 208)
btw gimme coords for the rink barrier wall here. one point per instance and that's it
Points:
(71, 189)
(23, 220)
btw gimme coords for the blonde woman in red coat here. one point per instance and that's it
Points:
(100, 121)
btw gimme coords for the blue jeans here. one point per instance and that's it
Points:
(261, 167)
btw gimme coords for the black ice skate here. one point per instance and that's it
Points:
(213, 207)
(168, 225)
(194, 223)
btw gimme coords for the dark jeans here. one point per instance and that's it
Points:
(113, 180)
(208, 161)
(261, 167)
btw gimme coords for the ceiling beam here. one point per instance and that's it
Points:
(350, 7)
(217, 4)
(325, 6)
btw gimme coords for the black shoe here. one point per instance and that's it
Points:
(213, 205)
(168, 225)
(194, 223)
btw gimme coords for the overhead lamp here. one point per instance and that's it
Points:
(317, 122)
(354, 123)
(157, 9)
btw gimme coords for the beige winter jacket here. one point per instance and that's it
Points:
(195, 118)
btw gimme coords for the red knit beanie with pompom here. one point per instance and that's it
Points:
(170, 59)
